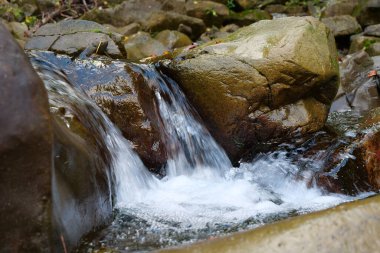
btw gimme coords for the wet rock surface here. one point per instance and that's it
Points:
(81, 191)
(123, 96)
(357, 91)
(250, 86)
(25, 154)
(357, 222)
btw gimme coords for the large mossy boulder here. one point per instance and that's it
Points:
(350, 227)
(273, 79)
(25, 153)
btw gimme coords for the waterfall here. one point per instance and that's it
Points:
(128, 174)
(201, 195)
(189, 145)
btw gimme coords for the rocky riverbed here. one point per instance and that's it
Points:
(255, 78)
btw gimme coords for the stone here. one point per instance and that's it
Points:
(342, 25)
(215, 33)
(152, 15)
(72, 37)
(369, 149)
(142, 45)
(80, 182)
(161, 20)
(248, 17)
(357, 91)
(125, 30)
(173, 39)
(211, 13)
(123, 96)
(340, 7)
(349, 227)
(360, 42)
(275, 8)
(269, 80)
(372, 30)
(25, 153)
(17, 29)
(248, 4)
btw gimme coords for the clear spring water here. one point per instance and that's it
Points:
(202, 195)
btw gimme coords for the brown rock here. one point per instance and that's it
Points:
(173, 39)
(211, 13)
(123, 96)
(25, 154)
(261, 82)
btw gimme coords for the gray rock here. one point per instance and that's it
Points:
(357, 91)
(372, 30)
(74, 36)
(342, 25)
(340, 7)
(360, 42)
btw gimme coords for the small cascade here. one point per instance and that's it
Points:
(202, 195)
(129, 176)
(189, 144)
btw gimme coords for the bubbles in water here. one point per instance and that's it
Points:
(202, 195)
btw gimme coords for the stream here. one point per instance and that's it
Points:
(201, 194)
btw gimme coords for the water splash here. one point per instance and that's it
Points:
(202, 194)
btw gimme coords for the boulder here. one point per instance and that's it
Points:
(367, 43)
(365, 11)
(25, 154)
(81, 189)
(342, 25)
(123, 96)
(357, 91)
(248, 4)
(248, 17)
(153, 16)
(142, 45)
(273, 79)
(18, 30)
(125, 30)
(211, 13)
(350, 227)
(372, 30)
(173, 39)
(161, 20)
(341, 7)
(72, 37)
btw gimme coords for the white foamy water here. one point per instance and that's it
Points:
(202, 194)
(202, 189)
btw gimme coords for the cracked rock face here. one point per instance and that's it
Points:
(271, 80)
(72, 37)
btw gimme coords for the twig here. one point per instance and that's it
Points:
(63, 244)
(85, 5)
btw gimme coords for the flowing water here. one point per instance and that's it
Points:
(202, 195)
